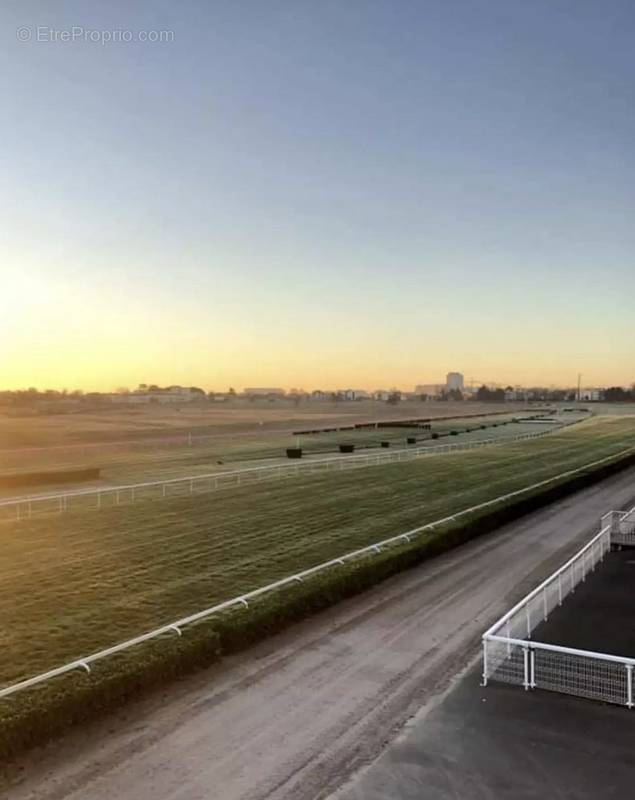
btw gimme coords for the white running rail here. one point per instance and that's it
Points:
(510, 656)
(24, 507)
(176, 627)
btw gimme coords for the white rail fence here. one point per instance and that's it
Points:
(622, 525)
(509, 655)
(24, 507)
(177, 626)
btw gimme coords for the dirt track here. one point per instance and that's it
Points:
(295, 716)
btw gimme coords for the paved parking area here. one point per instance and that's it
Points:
(600, 614)
(502, 743)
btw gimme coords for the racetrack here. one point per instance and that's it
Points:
(296, 715)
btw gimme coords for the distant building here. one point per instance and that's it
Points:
(453, 381)
(264, 392)
(515, 393)
(353, 394)
(591, 395)
(432, 390)
(141, 398)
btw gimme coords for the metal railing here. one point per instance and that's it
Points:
(509, 655)
(622, 525)
(176, 627)
(24, 507)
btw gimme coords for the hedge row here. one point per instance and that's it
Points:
(48, 478)
(31, 717)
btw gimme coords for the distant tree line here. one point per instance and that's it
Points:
(616, 394)
(486, 395)
(31, 396)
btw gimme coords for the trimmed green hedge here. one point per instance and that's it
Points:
(35, 715)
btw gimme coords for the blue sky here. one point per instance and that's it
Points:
(319, 193)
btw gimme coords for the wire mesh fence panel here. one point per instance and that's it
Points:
(506, 662)
(625, 528)
(581, 675)
(516, 626)
(552, 596)
(535, 611)
(510, 655)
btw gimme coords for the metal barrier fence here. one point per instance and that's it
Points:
(509, 655)
(622, 525)
(19, 508)
(176, 627)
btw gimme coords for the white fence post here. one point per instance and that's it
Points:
(629, 685)
(532, 668)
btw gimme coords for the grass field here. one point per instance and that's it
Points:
(121, 466)
(105, 424)
(74, 584)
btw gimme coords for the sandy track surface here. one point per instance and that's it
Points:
(297, 715)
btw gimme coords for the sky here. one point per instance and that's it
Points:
(316, 194)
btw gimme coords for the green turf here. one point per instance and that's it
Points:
(73, 584)
(121, 466)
